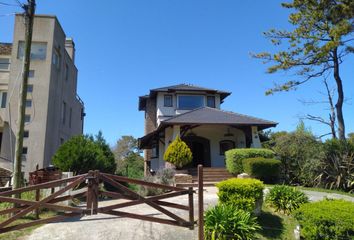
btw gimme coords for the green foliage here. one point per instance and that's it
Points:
(264, 169)
(178, 153)
(234, 157)
(83, 153)
(244, 193)
(336, 169)
(285, 198)
(225, 222)
(163, 176)
(326, 220)
(300, 153)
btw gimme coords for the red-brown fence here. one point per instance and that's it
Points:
(90, 183)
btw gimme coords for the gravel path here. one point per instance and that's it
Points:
(109, 227)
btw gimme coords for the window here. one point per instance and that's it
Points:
(28, 103)
(27, 118)
(26, 134)
(70, 116)
(31, 74)
(29, 88)
(167, 101)
(62, 141)
(38, 50)
(56, 59)
(66, 72)
(226, 145)
(211, 101)
(3, 99)
(155, 151)
(24, 150)
(63, 113)
(4, 63)
(189, 102)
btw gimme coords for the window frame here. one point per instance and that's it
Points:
(221, 152)
(214, 101)
(190, 95)
(5, 64)
(21, 50)
(3, 99)
(165, 102)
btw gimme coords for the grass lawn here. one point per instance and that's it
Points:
(275, 225)
(26, 231)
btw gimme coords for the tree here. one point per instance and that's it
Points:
(178, 153)
(83, 153)
(316, 46)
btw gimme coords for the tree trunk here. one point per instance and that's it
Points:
(339, 104)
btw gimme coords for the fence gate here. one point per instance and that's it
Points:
(86, 186)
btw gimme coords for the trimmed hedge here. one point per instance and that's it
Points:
(326, 220)
(244, 193)
(267, 170)
(234, 157)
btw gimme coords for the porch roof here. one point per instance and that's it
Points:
(206, 116)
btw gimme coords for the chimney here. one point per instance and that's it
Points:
(70, 48)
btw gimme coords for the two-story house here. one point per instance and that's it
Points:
(195, 115)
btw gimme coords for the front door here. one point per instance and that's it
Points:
(200, 148)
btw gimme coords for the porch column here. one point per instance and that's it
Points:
(176, 131)
(256, 143)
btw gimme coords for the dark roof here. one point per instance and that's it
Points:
(5, 48)
(180, 87)
(207, 115)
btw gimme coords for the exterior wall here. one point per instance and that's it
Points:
(150, 126)
(214, 134)
(164, 112)
(50, 89)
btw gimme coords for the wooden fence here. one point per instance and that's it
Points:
(90, 183)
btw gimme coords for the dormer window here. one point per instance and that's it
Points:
(189, 102)
(211, 101)
(167, 102)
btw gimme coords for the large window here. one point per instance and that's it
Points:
(38, 50)
(4, 64)
(226, 145)
(189, 102)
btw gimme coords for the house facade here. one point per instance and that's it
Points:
(54, 112)
(194, 113)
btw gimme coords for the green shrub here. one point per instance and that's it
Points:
(244, 193)
(234, 157)
(285, 198)
(326, 220)
(261, 168)
(163, 176)
(178, 153)
(224, 222)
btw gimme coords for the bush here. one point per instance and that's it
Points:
(163, 176)
(83, 153)
(285, 198)
(264, 169)
(234, 157)
(178, 153)
(228, 222)
(327, 220)
(244, 193)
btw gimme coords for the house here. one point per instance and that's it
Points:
(54, 112)
(194, 113)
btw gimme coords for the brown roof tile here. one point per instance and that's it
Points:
(5, 48)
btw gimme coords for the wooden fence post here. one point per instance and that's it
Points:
(191, 208)
(200, 203)
(38, 194)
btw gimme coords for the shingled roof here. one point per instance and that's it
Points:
(5, 48)
(207, 115)
(180, 87)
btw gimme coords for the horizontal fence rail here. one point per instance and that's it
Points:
(89, 192)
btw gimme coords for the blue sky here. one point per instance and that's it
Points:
(124, 48)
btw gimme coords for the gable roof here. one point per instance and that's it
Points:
(5, 48)
(207, 115)
(180, 87)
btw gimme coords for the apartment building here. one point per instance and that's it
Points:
(54, 112)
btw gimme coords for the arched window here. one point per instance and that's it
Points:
(226, 145)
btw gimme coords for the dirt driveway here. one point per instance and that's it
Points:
(107, 227)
